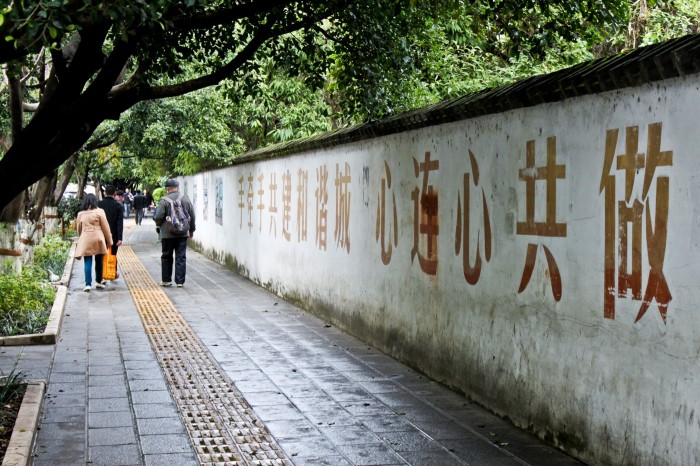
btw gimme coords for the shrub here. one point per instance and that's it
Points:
(50, 256)
(25, 302)
(68, 208)
(158, 193)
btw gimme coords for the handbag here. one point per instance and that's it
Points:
(109, 266)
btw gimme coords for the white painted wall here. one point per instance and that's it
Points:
(609, 390)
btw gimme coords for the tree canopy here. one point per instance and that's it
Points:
(75, 64)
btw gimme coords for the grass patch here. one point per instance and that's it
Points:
(26, 298)
(12, 390)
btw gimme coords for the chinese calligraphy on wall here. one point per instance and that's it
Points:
(305, 204)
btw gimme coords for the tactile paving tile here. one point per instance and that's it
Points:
(223, 428)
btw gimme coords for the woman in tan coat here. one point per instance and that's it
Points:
(93, 240)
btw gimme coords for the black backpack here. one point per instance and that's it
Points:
(179, 218)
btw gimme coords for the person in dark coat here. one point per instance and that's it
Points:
(140, 203)
(115, 217)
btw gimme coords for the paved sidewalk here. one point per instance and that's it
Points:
(326, 398)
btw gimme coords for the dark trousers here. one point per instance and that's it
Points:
(139, 216)
(179, 246)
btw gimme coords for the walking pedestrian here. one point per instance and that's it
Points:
(149, 199)
(140, 204)
(115, 218)
(94, 238)
(171, 240)
(128, 201)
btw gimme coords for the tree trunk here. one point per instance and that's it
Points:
(68, 170)
(51, 220)
(31, 233)
(82, 183)
(39, 195)
(10, 252)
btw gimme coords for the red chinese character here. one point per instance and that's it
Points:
(251, 199)
(425, 217)
(273, 203)
(472, 274)
(261, 204)
(550, 173)
(241, 196)
(342, 207)
(321, 209)
(286, 204)
(380, 232)
(630, 213)
(302, 205)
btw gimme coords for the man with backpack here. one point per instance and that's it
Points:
(175, 217)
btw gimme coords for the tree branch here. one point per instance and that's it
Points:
(102, 142)
(217, 76)
(16, 114)
(226, 16)
(330, 37)
(34, 67)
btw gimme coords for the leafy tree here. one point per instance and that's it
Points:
(93, 60)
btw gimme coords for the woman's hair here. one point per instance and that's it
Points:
(89, 202)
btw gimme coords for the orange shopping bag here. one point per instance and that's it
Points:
(109, 266)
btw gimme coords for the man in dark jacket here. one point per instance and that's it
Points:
(115, 217)
(171, 240)
(140, 204)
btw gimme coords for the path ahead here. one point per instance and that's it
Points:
(223, 372)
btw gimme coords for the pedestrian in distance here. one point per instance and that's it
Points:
(115, 217)
(173, 209)
(94, 237)
(149, 199)
(140, 204)
(128, 201)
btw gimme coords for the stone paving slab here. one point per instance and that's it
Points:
(326, 397)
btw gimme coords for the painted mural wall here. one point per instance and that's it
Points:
(545, 261)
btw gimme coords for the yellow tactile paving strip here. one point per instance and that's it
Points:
(223, 428)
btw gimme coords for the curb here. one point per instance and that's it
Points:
(68, 269)
(19, 450)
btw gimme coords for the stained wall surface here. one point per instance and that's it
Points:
(544, 260)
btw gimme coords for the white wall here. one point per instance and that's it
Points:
(609, 389)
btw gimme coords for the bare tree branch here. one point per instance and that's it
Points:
(34, 67)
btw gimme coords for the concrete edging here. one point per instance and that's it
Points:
(19, 450)
(53, 326)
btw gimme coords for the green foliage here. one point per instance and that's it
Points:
(25, 303)
(400, 66)
(181, 135)
(11, 385)
(344, 63)
(68, 208)
(31, 24)
(158, 193)
(50, 256)
(281, 108)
